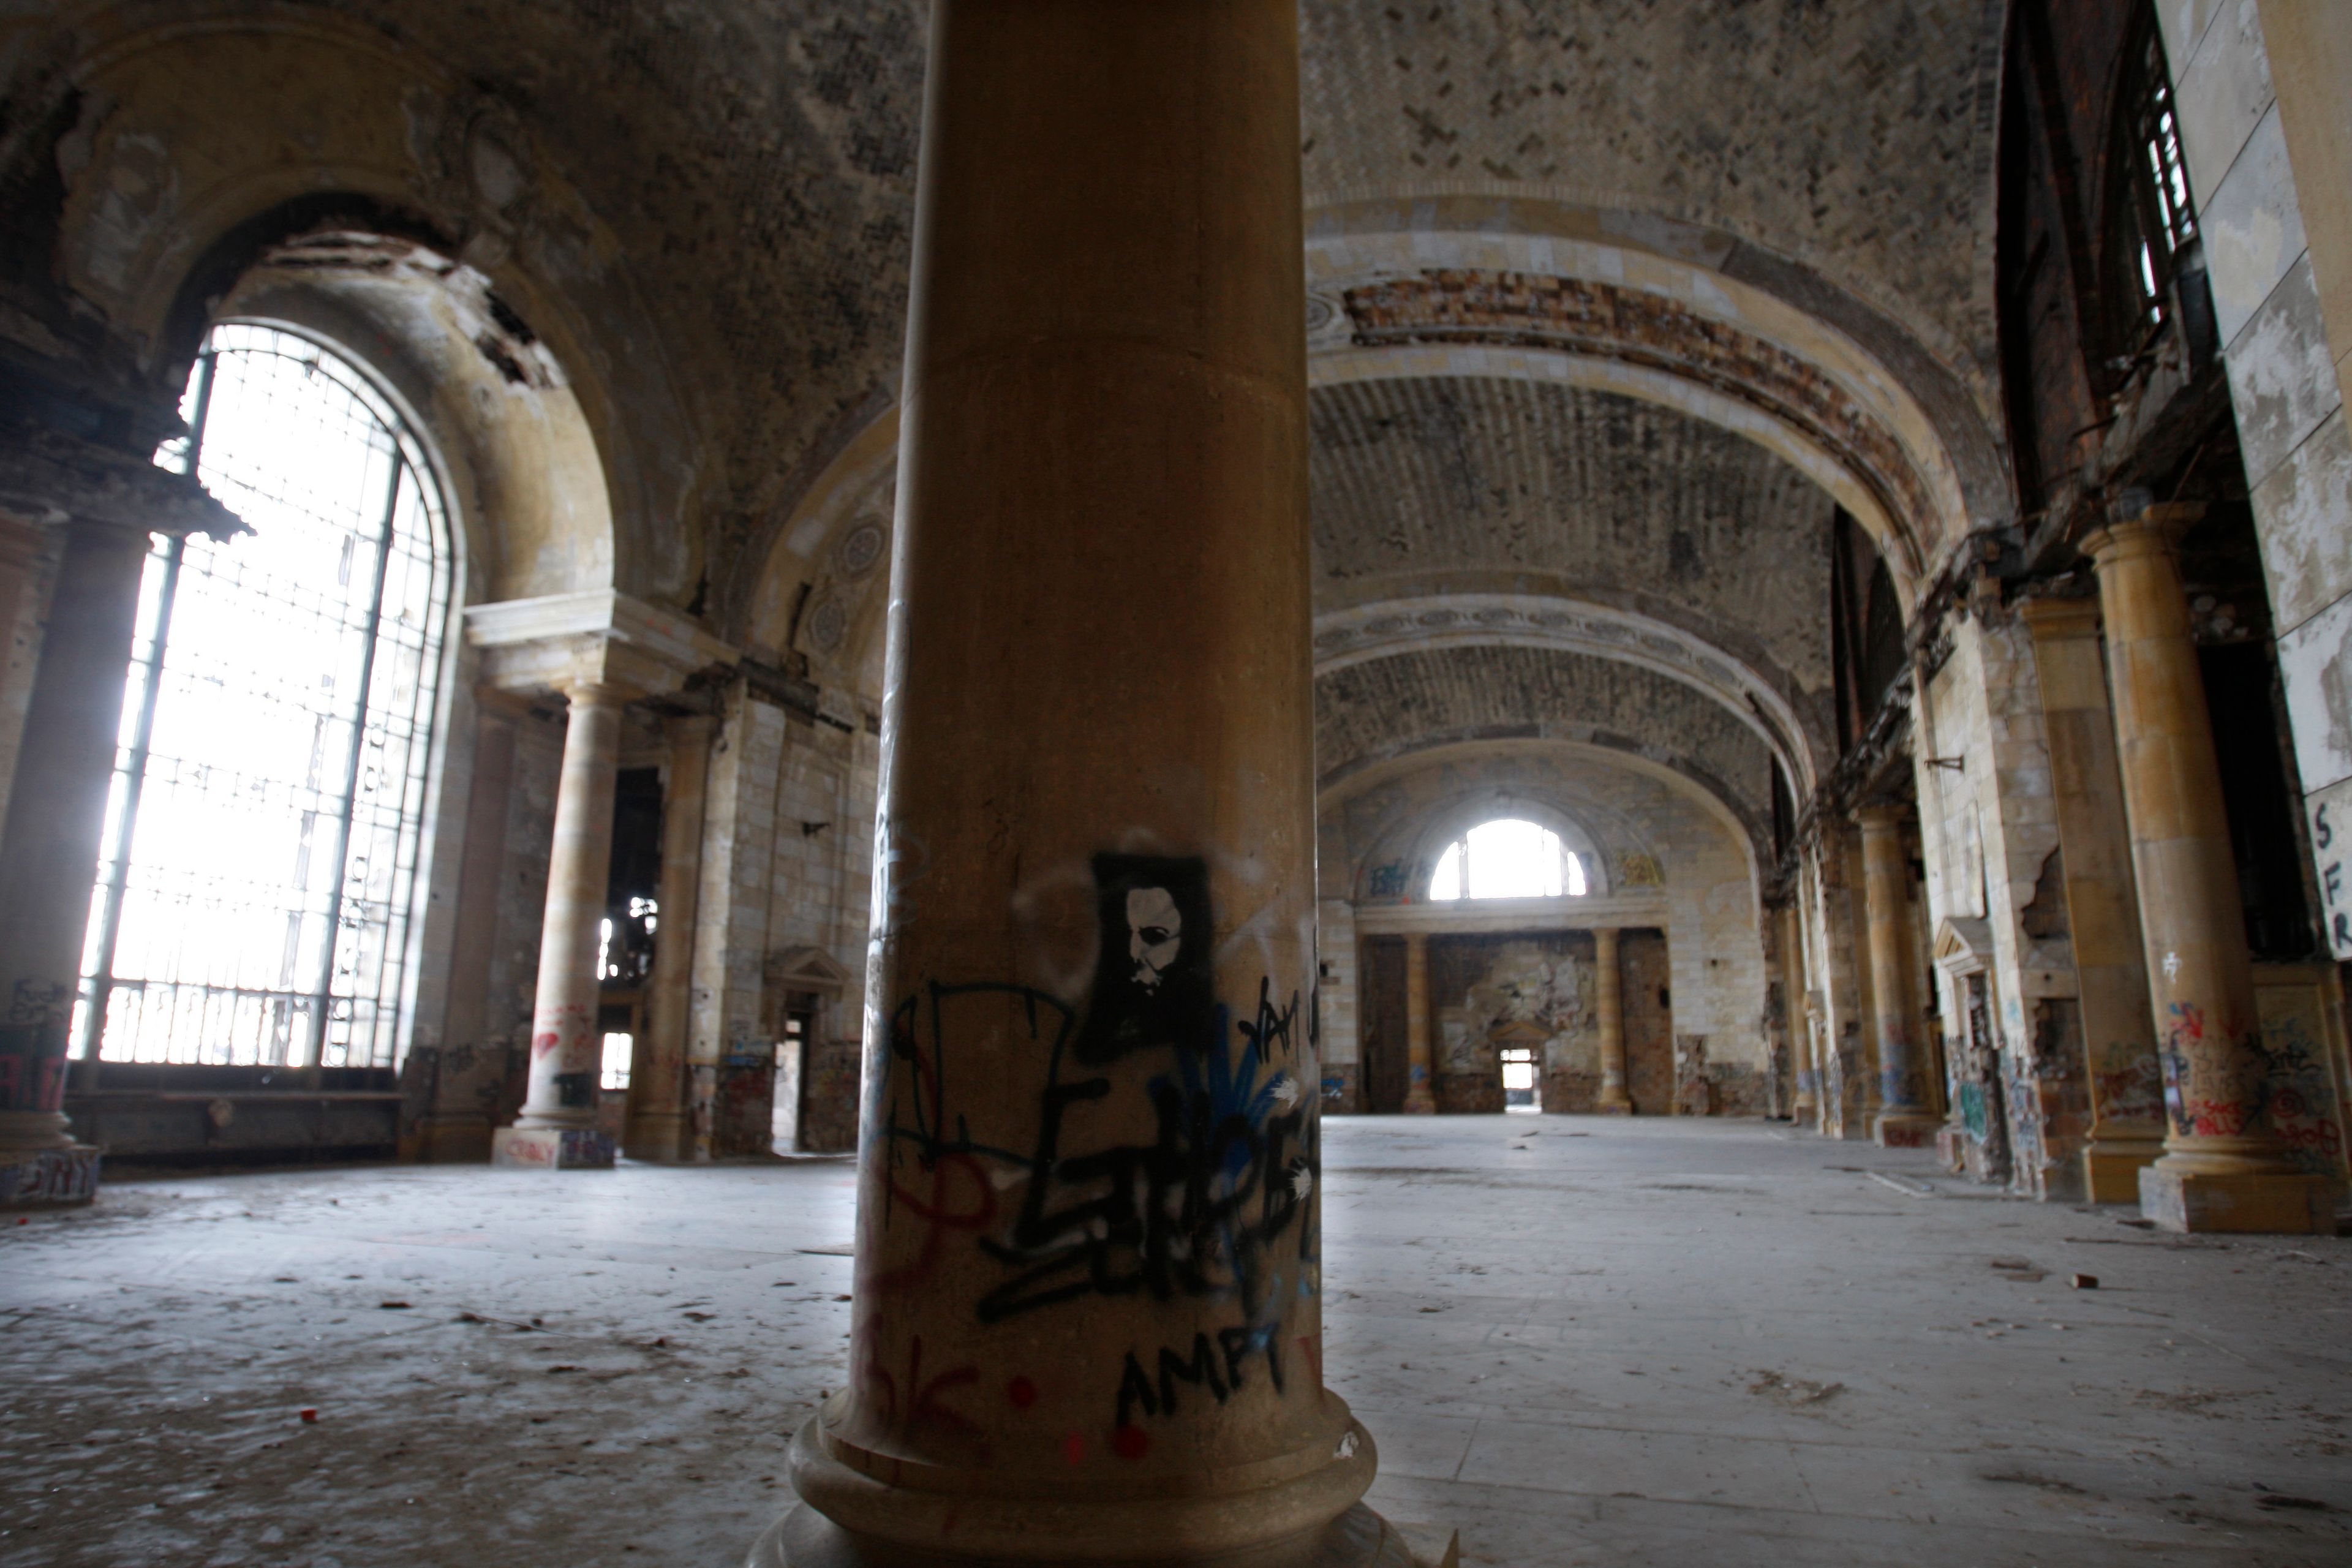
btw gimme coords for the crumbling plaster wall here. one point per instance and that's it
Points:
(1660, 112)
(1988, 831)
(2283, 309)
(1390, 707)
(1668, 849)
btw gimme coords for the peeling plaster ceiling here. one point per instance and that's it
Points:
(1367, 714)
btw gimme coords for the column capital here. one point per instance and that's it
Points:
(2054, 619)
(2155, 530)
(598, 636)
(584, 691)
(1884, 817)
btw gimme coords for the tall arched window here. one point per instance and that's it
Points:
(1507, 858)
(260, 865)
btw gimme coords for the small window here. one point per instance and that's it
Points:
(1507, 858)
(618, 1051)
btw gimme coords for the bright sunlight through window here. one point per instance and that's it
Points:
(1507, 858)
(259, 864)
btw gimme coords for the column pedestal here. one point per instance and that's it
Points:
(557, 1130)
(1609, 1013)
(48, 857)
(2223, 1168)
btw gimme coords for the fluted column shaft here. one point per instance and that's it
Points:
(2223, 1167)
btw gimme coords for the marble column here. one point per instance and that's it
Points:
(2222, 1168)
(1420, 1068)
(657, 1127)
(1904, 1117)
(1609, 1013)
(557, 1128)
(1087, 1325)
(1807, 1106)
(2126, 1085)
(48, 853)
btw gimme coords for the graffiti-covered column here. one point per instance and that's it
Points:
(1904, 1117)
(658, 1127)
(1609, 1014)
(1420, 1061)
(2126, 1133)
(1087, 1324)
(2223, 1169)
(49, 856)
(557, 1127)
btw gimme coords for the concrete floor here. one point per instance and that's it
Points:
(1576, 1340)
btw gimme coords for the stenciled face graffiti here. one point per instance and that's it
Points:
(1155, 931)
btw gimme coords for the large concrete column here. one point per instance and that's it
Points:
(1807, 1104)
(2127, 1088)
(1419, 1071)
(48, 853)
(2223, 1169)
(1609, 1013)
(1904, 1117)
(557, 1128)
(658, 1127)
(1087, 1325)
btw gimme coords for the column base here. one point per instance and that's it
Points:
(1906, 1130)
(48, 1178)
(552, 1147)
(1612, 1107)
(2111, 1167)
(1358, 1538)
(663, 1136)
(2272, 1202)
(1421, 1107)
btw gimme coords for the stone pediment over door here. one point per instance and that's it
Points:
(1518, 1032)
(806, 969)
(1964, 946)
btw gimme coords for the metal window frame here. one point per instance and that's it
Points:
(411, 474)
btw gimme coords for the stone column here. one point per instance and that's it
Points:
(2223, 1169)
(657, 1126)
(1609, 1011)
(1087, 1324)
(1904, 1117)
(1807, 1106)
(2126, 1086)
(48, 854)
(557, 1128)
(1419, 1071)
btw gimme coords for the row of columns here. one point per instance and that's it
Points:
(1609, 1018)
(2165, 979)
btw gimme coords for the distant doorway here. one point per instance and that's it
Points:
(1522, 1079)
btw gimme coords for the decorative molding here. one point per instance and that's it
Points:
(598, 633)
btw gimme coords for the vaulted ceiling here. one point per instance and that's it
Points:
(1614, 302)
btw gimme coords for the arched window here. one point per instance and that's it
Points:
(1507, 858)
(259, 868)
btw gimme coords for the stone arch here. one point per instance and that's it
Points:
(1669, 312)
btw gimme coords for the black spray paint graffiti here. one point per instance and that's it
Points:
(1211, 1207)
